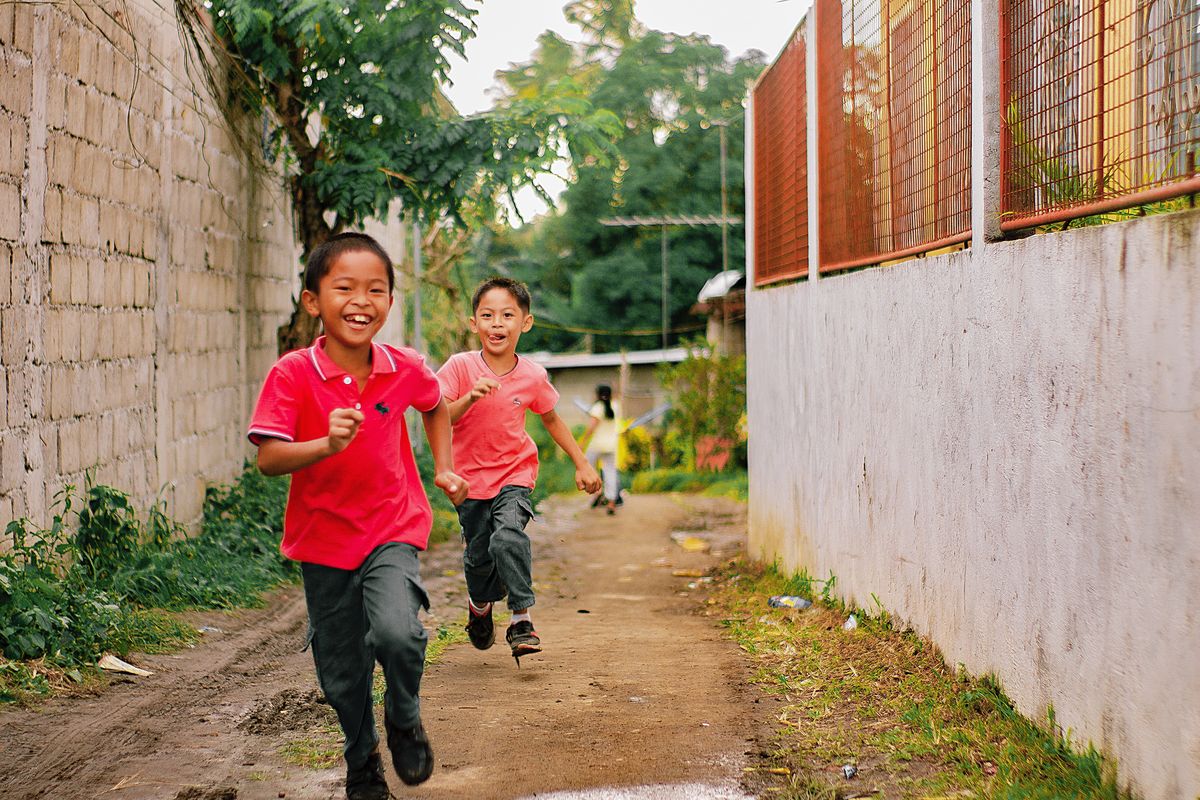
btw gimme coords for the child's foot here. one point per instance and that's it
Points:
(412, 756)
(480, 628)
(367, 782)
(523, 639)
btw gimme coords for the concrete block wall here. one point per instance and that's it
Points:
(143, 266)
(1002, 445)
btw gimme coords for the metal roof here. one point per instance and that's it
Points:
(671, 355)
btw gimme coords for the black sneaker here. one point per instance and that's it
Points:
(367, 782)
(523, 639)
(412, 755)
(480, 628)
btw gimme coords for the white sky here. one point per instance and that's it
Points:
(508, 31)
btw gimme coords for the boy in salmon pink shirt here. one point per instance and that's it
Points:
(489, 392)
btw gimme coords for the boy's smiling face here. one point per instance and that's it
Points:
(352, 300)
(499, 322)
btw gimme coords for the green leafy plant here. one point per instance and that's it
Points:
(233, 560)
(350, 97)
(709, 394)
(48, 605)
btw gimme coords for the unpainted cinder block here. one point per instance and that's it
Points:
(10, 212)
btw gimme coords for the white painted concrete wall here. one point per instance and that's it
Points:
(1003, 445)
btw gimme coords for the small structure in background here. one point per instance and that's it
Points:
(633, 376)
(723, 300)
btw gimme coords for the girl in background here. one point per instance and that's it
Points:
(602, 428)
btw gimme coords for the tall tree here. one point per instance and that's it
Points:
(670, 93)
(351, 92)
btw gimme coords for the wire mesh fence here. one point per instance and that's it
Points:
(781, 167)
(1101, 106)
(894, 99)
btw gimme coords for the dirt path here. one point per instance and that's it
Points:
(636, 687)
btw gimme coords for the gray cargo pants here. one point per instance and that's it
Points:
(497, 557)
(356, 617)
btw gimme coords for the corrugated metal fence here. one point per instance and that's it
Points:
(1100, 109)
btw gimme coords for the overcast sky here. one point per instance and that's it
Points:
(508, 31)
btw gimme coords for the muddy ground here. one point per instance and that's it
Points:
(636, 686)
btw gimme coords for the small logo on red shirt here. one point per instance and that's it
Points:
(382, 408)
(516, 401)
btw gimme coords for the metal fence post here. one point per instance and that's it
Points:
(812, 106)
(748, 185)
(985, 122)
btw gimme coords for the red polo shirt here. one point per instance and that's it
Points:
(344, 506)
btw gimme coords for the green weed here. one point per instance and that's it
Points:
(733, 484)
(84, 585)
(885, 701)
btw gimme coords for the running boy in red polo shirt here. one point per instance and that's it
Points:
(332, 415)
(489, 392)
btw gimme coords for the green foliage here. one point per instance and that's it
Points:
(70, 592)
(371, 75)
(230, 564)
(885, 700)
(637, 450)
(709, 395)
(733, 484)
(48, 607)
(19, 681)
(667, 90)
(445, 518)
(556, 471)
(110, 534)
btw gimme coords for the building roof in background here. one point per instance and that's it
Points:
(671, 355)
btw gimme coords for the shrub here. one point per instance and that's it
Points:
(48, 606)
(709, 396)
(721, 484)
(637, 450)
(231, 563)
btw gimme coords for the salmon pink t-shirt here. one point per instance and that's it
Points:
(344, 506)
(491, 448)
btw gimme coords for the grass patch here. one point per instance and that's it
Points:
(733, 484)
(446, 637)
(885, 701)
(322, 748)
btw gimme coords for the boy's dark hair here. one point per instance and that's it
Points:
(518, 290)
(321, 259)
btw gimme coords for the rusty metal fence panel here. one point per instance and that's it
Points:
(781, 167)
(894, 95)
(1101, 106)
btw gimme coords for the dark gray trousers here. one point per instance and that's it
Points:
(359, 616)
(497, 557)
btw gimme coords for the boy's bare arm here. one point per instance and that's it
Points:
(585, 476)
(482, 388)
(437, 431)
(277, 457)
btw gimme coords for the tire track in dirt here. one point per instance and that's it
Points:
(81, 748)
